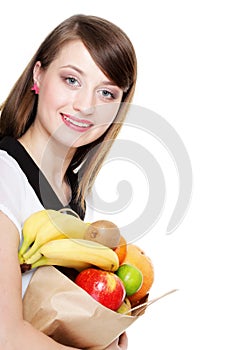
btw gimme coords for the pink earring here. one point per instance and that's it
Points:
(35, 88)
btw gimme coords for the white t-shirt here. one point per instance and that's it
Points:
(17, 198)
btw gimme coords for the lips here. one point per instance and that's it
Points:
(76, 123)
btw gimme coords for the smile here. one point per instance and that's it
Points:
(78, 124)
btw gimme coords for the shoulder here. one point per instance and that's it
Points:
(17, 197)
(9, 162)
(11, 172)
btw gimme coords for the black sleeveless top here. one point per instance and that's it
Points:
(37, 180)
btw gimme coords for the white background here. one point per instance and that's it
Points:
(185, 61)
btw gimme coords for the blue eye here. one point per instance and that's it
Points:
(107, 94)
(72, 81)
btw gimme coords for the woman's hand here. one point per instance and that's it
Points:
(119, 344)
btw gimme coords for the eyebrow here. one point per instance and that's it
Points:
(74, 68)
(78, 70)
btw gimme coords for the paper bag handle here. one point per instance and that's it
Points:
(138, 310)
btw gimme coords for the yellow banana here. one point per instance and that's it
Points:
(77, 265)
(71, 252)
(31, 226)
(57, 227)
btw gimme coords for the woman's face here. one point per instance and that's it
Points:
(77, 102)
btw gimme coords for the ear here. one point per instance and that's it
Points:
(37, 72)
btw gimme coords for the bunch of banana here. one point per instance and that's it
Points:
(53, 238)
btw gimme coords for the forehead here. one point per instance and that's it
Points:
(74, 49)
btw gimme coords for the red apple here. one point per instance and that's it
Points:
(104, 286)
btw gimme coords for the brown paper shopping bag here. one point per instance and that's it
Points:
(55, 305)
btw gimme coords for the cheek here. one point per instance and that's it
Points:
(52, 93)
(105, 114)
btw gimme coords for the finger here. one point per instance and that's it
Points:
(123, 341)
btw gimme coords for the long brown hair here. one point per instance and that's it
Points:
(114, 54)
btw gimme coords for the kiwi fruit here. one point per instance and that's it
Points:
(104, 232)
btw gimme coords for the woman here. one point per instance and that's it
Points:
(56, 127)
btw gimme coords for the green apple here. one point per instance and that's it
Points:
(131, 277)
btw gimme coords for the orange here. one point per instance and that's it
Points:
(121, 249)
(137, 257)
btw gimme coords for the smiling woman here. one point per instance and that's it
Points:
(63, 114)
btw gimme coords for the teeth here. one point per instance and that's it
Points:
(75, 122)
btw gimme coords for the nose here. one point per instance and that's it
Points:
(84, 102)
